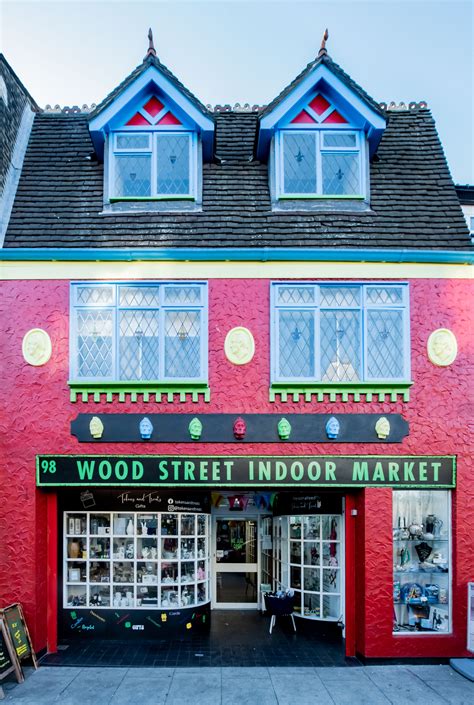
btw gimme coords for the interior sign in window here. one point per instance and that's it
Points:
(249, 471)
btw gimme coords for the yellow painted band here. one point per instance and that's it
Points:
(232, 270)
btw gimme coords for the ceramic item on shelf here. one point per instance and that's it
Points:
(415, 529)
(144, 528)
(130, 528)
(423, 551)
(74, 549)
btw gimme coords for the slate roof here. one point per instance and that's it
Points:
(325, 60)
(147, 62)
(413, 199)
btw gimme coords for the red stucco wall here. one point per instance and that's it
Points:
(36, 413)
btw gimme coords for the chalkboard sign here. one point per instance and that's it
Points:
(19, 634)
(9, 662)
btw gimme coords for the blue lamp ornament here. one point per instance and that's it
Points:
(146, 428)
(332, 428)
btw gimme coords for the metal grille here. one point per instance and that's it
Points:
(340, 173)
(89, 295)
(296, 295)
(340, 346)
(139, 345)
(139, 296)
(184, 295)
(299, 163)
(385, 344)
(296, 343)
(182, 343)
(133, 175)
(173, 164)
(340, 296)
(94, 336)
(384, 295)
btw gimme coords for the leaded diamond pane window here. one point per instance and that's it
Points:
(139, 332)
(340, 173)
(299, 163)
(340, 333)
(182, 343)
(316, 163)
(385, 333)
(296, 344)
(156, 164)
(173, 164)
(133, 175)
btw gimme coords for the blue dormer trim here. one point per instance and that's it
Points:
(357, 111)
(147, 82)
(120, 119)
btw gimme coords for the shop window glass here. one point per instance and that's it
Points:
(132, 559)
(340, 333)
(146, 332)
(308, 557)
(421, 561)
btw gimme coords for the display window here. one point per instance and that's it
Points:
(308, 558)
(422, 561)
(133, 559)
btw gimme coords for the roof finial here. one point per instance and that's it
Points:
(151, 47)
(322, 49)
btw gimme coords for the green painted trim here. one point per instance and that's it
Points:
(161, 390)
(152, 198)
(343, 389)
(325, 197)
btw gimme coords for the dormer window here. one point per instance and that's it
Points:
(318, 155)
(152, 156)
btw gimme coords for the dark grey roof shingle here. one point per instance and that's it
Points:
(414, 202)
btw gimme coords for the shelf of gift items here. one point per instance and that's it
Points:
(412, 541)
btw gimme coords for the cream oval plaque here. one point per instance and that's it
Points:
(239, 346)
(442, 347)
(36, 347)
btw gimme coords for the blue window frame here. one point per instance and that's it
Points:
(340, 332)
(146, 331)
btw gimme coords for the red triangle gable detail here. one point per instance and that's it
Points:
(138, 119)
(169, 119)
(153, 106)
(303, 117)
(319, 104)
(334, 117)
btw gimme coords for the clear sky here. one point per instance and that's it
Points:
(71, 52)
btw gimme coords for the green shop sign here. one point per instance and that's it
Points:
(246, 471)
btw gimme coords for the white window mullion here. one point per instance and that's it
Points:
(319, 169)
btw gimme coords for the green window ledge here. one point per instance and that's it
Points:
(149, 391)
(344, 391)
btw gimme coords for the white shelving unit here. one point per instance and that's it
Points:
(136, 559)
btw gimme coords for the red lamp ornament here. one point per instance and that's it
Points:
(240, 428)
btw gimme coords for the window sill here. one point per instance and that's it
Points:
(152, 198)
(341, 391)
(161, 391)
(167, 204)
(315, 197)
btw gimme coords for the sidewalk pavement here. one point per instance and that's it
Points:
(367, 685)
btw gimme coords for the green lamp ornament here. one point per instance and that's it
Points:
(284, 429)
(195, 429)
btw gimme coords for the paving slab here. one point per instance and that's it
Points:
(198, 688)
(303, 689)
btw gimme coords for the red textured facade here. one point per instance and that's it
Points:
(37, 414)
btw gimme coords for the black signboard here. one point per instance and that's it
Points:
(418, 471)
(147, 499)
(260, 428)
(19, 634)
(9, 662)
(6, 664)
(307, 503)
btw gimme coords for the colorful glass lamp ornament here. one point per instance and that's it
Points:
(195, 429)
(284, 429)
(382, 427)
(146, 428)
(240, 428)
(333, 427)
(96, 427)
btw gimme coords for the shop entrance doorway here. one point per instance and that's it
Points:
(235, 562)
